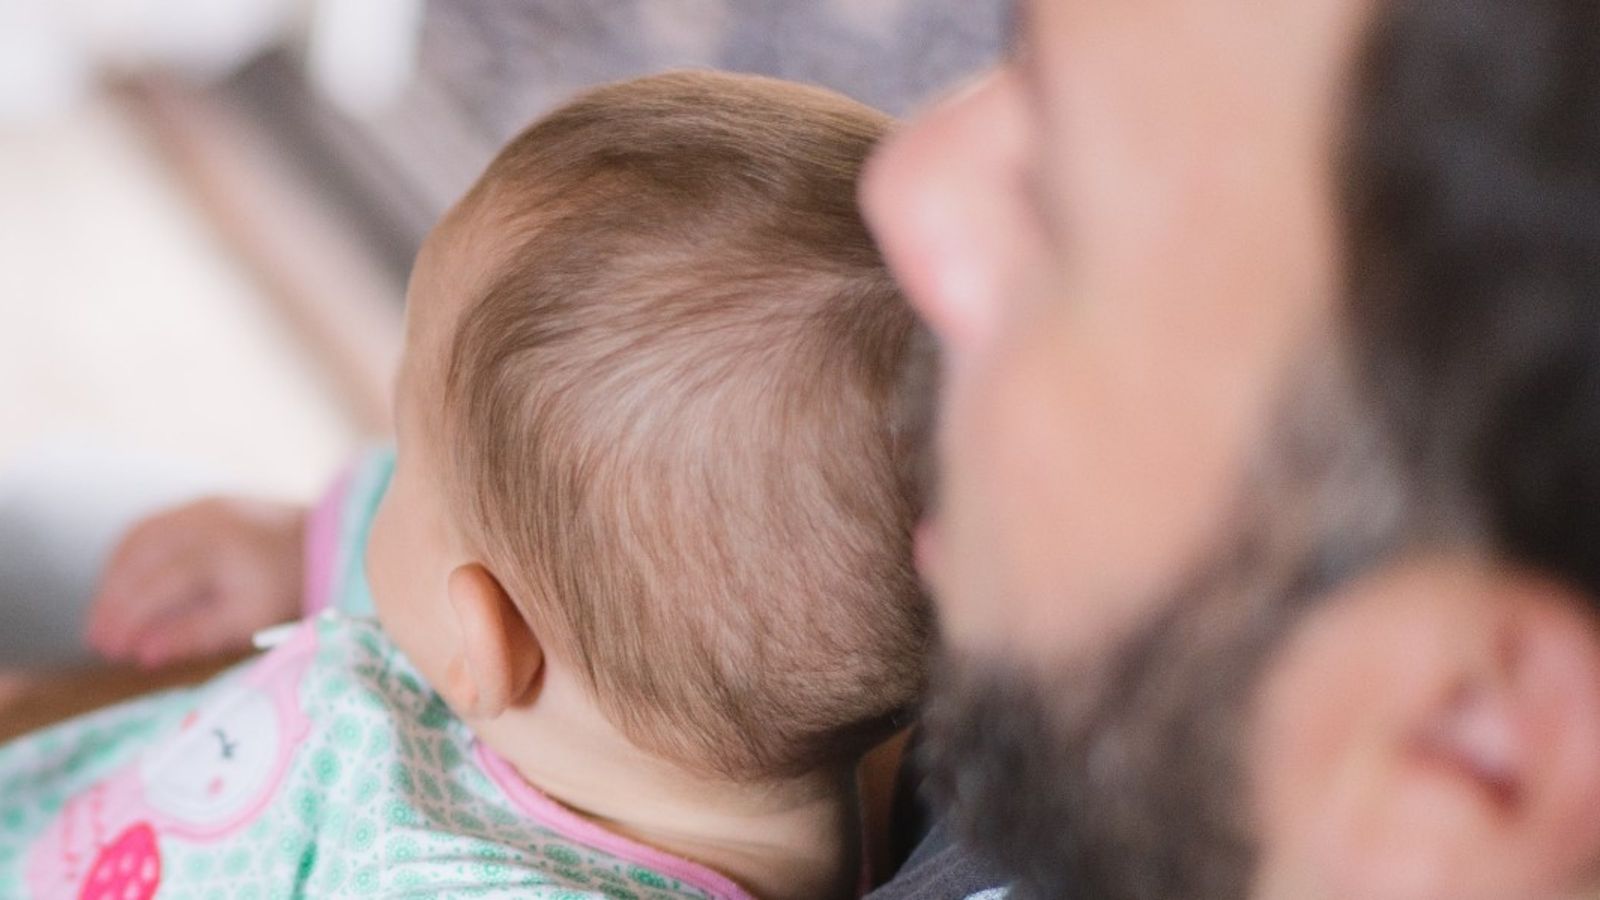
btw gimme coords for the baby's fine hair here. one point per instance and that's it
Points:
(671, 419)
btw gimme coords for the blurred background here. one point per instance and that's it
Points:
(208, 207)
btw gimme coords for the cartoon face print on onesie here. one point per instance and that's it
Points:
(207, 781)
(213, 770)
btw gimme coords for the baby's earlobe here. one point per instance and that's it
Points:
(458, 689)
(498, 655)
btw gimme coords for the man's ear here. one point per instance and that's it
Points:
(498, 658)
(1435, 731)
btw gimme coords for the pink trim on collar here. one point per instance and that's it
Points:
(558, 818)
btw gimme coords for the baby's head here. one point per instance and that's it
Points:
(645, 404)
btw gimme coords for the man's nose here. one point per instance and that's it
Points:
(928, 194)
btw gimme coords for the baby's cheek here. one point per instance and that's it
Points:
(376, 556)
(397, 574)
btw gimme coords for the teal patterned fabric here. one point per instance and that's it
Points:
(384, 795)
(325, 768)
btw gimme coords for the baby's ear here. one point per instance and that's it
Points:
(498, 658)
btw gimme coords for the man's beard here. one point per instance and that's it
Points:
(1119, 783)
(1123, 776)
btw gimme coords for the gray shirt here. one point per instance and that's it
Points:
(940, 869)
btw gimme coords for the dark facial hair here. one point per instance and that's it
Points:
(1121, 777)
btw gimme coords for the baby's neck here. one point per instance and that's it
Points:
(794, 839)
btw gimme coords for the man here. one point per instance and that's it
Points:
(1269, 449)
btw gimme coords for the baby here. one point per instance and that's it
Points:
(641, 559)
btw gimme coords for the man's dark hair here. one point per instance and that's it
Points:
(1471, 189)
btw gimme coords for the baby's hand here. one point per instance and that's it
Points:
(199, 580)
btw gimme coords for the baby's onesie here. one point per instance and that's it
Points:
(325, 768)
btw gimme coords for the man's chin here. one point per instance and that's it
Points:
(1071, 794)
